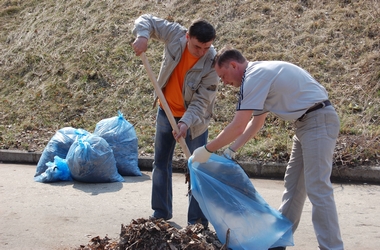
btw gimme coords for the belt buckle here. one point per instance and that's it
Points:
(323, 104)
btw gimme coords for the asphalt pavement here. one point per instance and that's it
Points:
(65, 215)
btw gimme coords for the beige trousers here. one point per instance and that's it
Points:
(308, 174)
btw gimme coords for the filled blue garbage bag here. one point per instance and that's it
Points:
(56, 171)
(229, 200)
(58, 145)
(122, 138)
(90, 159)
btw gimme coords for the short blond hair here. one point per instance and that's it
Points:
(226, 55)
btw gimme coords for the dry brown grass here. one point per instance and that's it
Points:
(69, 63)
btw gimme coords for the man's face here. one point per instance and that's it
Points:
(197, 48)
(227, 74)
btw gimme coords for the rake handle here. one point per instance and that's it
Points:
(165, 105)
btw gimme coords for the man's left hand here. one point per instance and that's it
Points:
(182, 128)
(229, 153)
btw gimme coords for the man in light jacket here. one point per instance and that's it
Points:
(189, 84)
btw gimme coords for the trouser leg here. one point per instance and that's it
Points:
(195, 213)
(318, 143)
(317, 134)
(294, 196)
(162, 194)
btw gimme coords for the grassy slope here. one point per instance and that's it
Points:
(69, 63)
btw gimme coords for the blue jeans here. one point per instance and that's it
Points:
(162, 194)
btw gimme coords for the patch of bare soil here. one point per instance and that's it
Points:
(159, 235)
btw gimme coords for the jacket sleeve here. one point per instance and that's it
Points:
(200, 108)
(153, 27)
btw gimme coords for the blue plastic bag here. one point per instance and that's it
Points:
(122, 138)
(58, 145)
(90, 159)
(229, 200)
(56, 171)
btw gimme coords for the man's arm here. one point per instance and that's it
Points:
(201, 100)
(233, 130)
(240, 129)
(149, 26)
(253, 127)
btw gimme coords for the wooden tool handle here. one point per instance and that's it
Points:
(165, 105)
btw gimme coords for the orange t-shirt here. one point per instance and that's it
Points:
(173, 90)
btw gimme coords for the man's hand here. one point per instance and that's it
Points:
(229, 153)
(201, 154)
(140, 45)
(182, 128)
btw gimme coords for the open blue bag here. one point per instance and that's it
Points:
(90, 159)
(122, 138)
(58, 145)
(56, 171)
(229, 200)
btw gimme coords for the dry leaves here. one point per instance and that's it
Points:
(158, 235)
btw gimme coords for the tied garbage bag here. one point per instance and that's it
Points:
(122, 138)
(229, 200)
(58, 145)
(56, 171)
(90, 159)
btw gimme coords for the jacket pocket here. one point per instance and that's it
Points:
(193, 85)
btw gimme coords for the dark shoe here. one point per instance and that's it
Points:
(154, 218)
(199, 221)
(277, 248)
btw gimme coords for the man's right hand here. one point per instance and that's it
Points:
(140, 45)
(201, 154)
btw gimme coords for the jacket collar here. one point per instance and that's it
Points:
(200, 62)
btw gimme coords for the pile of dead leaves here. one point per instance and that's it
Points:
(158, 234)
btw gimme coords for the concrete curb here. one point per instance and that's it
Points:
(365, 174)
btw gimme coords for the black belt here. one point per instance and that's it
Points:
(316, 107)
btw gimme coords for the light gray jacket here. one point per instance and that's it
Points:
(200, 86)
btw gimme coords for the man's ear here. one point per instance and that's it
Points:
(233, 64)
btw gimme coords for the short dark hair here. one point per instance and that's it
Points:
(226, 55)
(202, 30)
